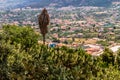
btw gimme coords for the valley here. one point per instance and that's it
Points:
(72, 26)
(59, 39)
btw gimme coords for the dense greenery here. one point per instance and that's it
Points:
(22, 58)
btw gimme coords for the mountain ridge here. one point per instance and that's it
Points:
(59, 3)
(63, 3)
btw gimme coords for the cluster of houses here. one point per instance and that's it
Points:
(71, 26)
(92, 49)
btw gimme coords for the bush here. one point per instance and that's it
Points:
(21, 59)
(20, 35)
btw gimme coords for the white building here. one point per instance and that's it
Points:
(115, 48)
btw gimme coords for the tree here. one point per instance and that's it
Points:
(43, 20)
(25, 36)
(108, 57)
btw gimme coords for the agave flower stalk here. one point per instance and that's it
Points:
(43, 20)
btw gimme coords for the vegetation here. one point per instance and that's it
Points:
(22, 58)
(103, 43)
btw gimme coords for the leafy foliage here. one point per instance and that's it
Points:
(25, 36)
(40, 62)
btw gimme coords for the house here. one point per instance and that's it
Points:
(79, 35)
(115, 48)
(91, 50)
(63, 27)
(94, 50)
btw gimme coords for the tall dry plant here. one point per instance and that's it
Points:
(43, 20)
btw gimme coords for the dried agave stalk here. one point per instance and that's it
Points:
(43, 20)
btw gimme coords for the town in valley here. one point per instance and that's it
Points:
(90, 28)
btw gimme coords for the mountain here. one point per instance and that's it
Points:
(57, 3)
(8, 4)
(62, 3)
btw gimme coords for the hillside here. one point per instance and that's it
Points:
(61, 3)
(8, 4)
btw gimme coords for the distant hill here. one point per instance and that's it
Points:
(56, 3)
(9, 4)
(62, 3)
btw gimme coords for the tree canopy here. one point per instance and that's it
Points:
(22, 58)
